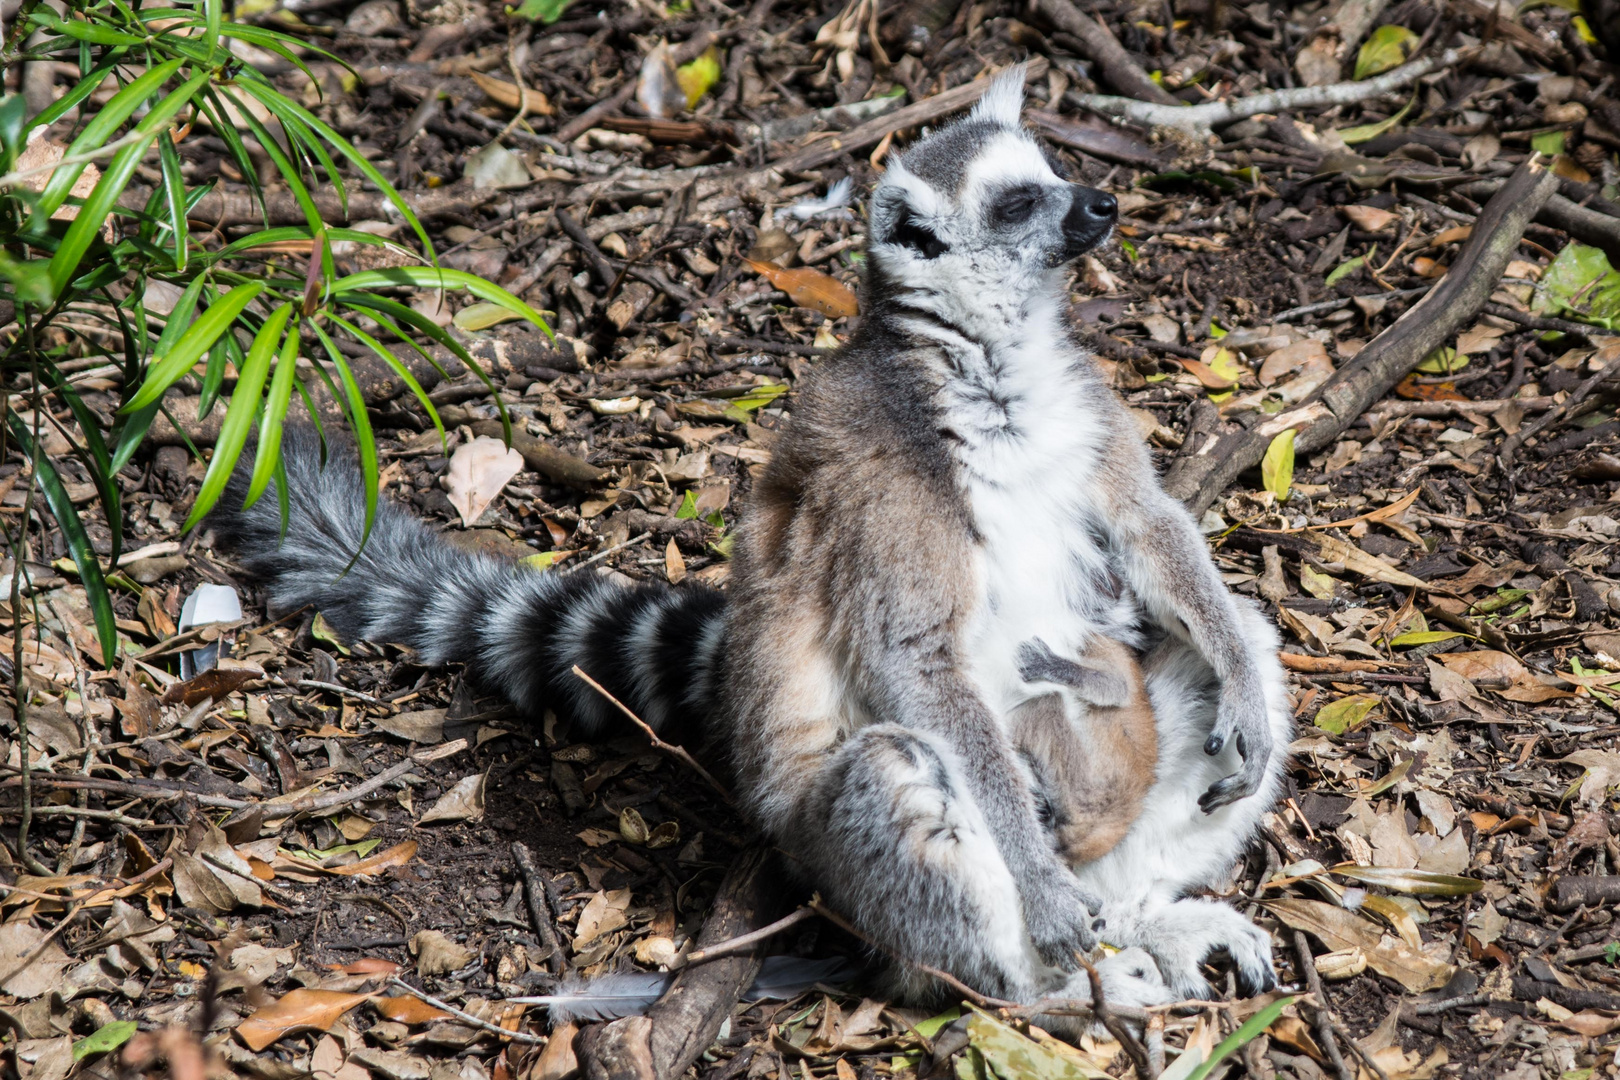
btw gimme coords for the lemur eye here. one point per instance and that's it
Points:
(1015, 207)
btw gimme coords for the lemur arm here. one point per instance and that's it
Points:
(1167, 564)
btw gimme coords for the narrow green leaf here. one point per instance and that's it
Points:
(233, 431)
(166, 370)
(89, 84)
(95, 457)
(213, 14)
(85, 227)
(1277, 467)
(78, 541)
(174, 190)
(268, 454)
(1426, 637)
(398, 368)
(365, 441)
(105, 1039)
(434, 277)
(108, 119)
(1243, 1036)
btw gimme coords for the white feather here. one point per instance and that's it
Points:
(836, 199)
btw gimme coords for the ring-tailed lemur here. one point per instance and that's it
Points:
(954, 482)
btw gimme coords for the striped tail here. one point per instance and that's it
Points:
(520, 632)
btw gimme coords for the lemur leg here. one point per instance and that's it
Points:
(1174, 848)
(935, 887)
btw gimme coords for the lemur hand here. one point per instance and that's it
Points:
(1058, 916)
(1241, 714)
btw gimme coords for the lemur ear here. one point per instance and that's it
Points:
(911, 233)
(1003, 103)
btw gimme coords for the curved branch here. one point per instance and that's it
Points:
(1199, 119)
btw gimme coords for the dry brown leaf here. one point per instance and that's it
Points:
(463, 802)
(479, 470)
(1207, 375)
(674, 565)
(298, 1010)
(425, 726)
(369, 965)
(1486, 666)
(1370, 218)
(438, 955)
(21, 976)
(1334, 550)
(1307, 356)
(1339, 930)
(407, 1010)
(557, 1060)
(217, 682)
(398, 855)
(603, 914)
(1603, 772)
(810, 288)
(504, 93)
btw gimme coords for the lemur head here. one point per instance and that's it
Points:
(982, 197)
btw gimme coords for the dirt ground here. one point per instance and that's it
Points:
(203, 856)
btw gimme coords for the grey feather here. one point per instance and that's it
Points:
(632, 993)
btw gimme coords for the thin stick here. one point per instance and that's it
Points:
(600, 555)
(1106, 1017)
(671, 749)
(739, 944)
(73, 913)
(540, 912)
(1504, 460)
(1324, 1014)
(469, 1018)
(342, 691)
(1366, 1058)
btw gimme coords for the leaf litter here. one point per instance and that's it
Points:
(1449, 622)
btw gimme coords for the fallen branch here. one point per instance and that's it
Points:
(467, 1017)
(1210, 461)
(1564, 214)
(748, 940)
(1102, 48)
(540, 910)
(663, 1044)
(872, 132)
(1200, 119)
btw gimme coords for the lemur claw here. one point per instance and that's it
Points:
(1214, 745)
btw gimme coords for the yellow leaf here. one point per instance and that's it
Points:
(1277, 468)
(696, 78)
(1386, 47)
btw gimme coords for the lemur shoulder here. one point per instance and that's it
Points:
(959, 518)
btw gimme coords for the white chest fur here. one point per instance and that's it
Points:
(1024, 421)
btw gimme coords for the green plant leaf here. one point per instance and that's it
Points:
(1368, 132)
(1426, 637)
(1338, 717)
(1386, 47)
(399, 369)
(1415, 882)
(1581, 282)
(546, 11)
(697, 77)
(1443, 361)
(78, 541)
(166, 370)
(434, 277)
(174, 191)
(233, 431)
(95, 457)
(105, 1039)
(1277, 467)
(268, 453)
(89, 84)
(1345, 269)
(1550, 143)
(365, 442)
(108, 119)
(1243, 1036)
(84, 228)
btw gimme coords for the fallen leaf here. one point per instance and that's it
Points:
(1307, 355)
(674, 564)
(1340, 716)
(810, 288)
(1370, 218)
(504, 93)
(479, 470)
(1415, 882)
(18, 942)
(1603, 772)
(1339, 930)
(298, 1010)
(398, 855)
(438, 955)
(425, 726)
(407, 1010)
(369, 965)
(463, 802)
(603, 914)
(1277, 468)
(218, 682)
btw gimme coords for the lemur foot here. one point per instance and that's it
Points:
(1129, 978)
(1182, 936)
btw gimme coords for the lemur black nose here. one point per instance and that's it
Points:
(1096, 204)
